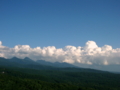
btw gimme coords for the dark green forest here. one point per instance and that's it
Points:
(15, 78)
(26, 74)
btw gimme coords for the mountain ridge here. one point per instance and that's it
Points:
(42, 64)
(27, 62)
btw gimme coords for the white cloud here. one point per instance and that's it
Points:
(0, 43)
(89, 54)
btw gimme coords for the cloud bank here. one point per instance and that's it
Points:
(89, 54)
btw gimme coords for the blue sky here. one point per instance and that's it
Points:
(59, 22)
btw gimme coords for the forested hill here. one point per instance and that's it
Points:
(26, 74)
(61, 79)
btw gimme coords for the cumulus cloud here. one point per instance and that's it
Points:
(89, 54)
(0, 43)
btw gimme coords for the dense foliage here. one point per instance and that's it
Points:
(57, 79)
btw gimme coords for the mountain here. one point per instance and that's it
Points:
(16, 60)
(42, 64)
(55, 64)
(7, 62)
(29, 63)
(27, 60)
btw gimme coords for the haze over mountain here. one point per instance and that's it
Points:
(42, 64)
(28, 63)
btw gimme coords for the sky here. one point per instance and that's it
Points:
(59, 22)
(82, 31)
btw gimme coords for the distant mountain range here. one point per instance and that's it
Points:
(42, 64)
(28, 63)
